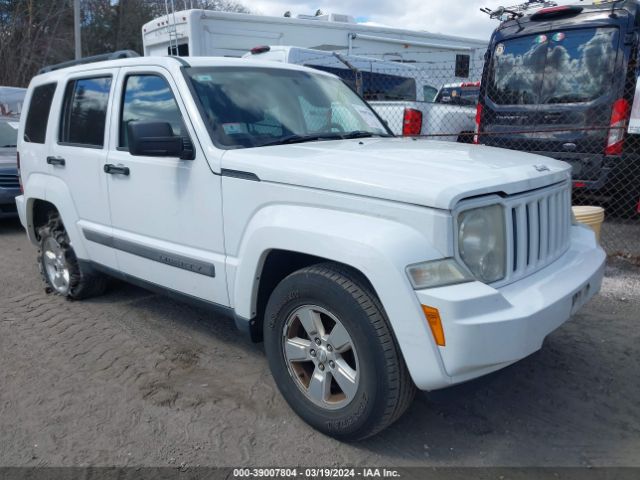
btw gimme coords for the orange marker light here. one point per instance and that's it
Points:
(433, 318)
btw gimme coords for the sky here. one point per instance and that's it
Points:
(453, 17)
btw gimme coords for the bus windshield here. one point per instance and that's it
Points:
(558, 67)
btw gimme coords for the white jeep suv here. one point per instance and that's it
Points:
(370, 265)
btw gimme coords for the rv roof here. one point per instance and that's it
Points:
(182, 17)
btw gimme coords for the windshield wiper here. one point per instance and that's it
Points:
(362, 134)
(327, 136)
(299, 139)
(9, 146)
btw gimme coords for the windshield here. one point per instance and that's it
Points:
(459, 95)
(252, 107)
(569, 66)
(11, 101)
(8, 132)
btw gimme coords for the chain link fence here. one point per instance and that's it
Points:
(574, 106)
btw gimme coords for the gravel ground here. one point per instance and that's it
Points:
(133, 378)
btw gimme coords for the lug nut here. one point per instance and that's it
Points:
(318, 342)
(312, 352)
(321, 367)
(329, 348)
(332, 364)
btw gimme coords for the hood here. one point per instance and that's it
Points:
(421, 172)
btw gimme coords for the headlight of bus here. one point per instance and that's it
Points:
(482, 242)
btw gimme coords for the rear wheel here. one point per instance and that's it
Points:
(59, 265)
(332, 353)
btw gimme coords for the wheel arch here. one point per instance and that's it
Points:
(278, 264)
(48, 193)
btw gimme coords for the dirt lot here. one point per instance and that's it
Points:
(132, 378)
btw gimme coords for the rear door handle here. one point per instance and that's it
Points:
(115, 170)
(59, 161)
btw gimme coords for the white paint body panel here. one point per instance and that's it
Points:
(377, 205)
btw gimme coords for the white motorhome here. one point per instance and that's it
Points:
(209, 33)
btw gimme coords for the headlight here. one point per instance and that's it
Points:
(482, 243)
(437, 274)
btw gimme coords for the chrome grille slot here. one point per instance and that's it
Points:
(539, 224)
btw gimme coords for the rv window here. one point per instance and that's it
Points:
(376, 86)
(462, 65)
(556, 67)
(183, 50)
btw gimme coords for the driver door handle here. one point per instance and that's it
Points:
(59, 161)
(115, 170)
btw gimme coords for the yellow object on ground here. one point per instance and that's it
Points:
(592, 216)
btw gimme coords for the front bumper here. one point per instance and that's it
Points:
(487, 328)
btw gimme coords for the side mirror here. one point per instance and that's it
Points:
(156, 139)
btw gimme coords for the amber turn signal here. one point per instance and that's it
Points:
(435, 324)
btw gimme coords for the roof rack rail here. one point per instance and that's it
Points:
(95, 58)
(517, 11)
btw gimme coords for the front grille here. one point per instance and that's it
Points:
(537, 230)
(9, 181)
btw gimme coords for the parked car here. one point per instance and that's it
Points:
(400, 93)
(370, 265)
(464, 93)
(580, 112)
(10, 107)
(9, 184)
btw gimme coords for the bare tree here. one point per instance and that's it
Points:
(35, 33)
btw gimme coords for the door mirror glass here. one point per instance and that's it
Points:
(156, 139)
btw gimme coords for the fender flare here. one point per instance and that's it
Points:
(55, 191)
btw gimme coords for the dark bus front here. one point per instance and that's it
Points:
(562, 84)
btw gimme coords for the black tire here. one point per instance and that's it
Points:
(82, 282)
(385, 389)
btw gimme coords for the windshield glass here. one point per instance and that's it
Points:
(8, 132)
(11, 101)
(569, 66)
(459, 95)
(251, 107)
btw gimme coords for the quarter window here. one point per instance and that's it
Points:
(35, 129)
(148, 98)
(84, 111)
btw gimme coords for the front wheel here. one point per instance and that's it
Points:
(332, 353)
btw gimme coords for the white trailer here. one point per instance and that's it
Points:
(209, 33)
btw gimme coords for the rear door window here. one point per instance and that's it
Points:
(35, 130)
(84, 112)
(558, 67)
